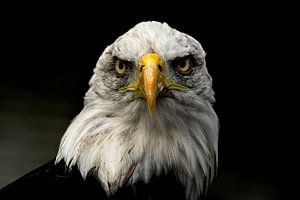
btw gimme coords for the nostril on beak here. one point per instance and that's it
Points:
(160, 68)
(141, 69)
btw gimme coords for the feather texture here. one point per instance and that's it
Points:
(115, 138)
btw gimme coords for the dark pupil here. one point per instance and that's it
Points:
(182, 63)
(121, 65)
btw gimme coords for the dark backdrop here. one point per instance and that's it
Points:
(48, 54)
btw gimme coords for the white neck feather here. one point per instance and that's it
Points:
(121, 144)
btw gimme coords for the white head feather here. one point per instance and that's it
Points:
(115, 137)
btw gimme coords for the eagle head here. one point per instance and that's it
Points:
(148, 112)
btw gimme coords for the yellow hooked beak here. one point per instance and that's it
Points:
(151, 78)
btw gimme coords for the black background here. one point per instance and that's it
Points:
(51, 50)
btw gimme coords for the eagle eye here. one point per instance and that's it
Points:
(184, 65)
(120, 67)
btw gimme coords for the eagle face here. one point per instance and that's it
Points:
(148, 112)
(178, 63)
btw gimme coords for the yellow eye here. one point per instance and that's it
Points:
(184, 65)
(120, 67)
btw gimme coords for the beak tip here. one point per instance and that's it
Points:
(151, 110)
(151, 114)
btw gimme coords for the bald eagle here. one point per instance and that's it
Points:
(147, 129)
